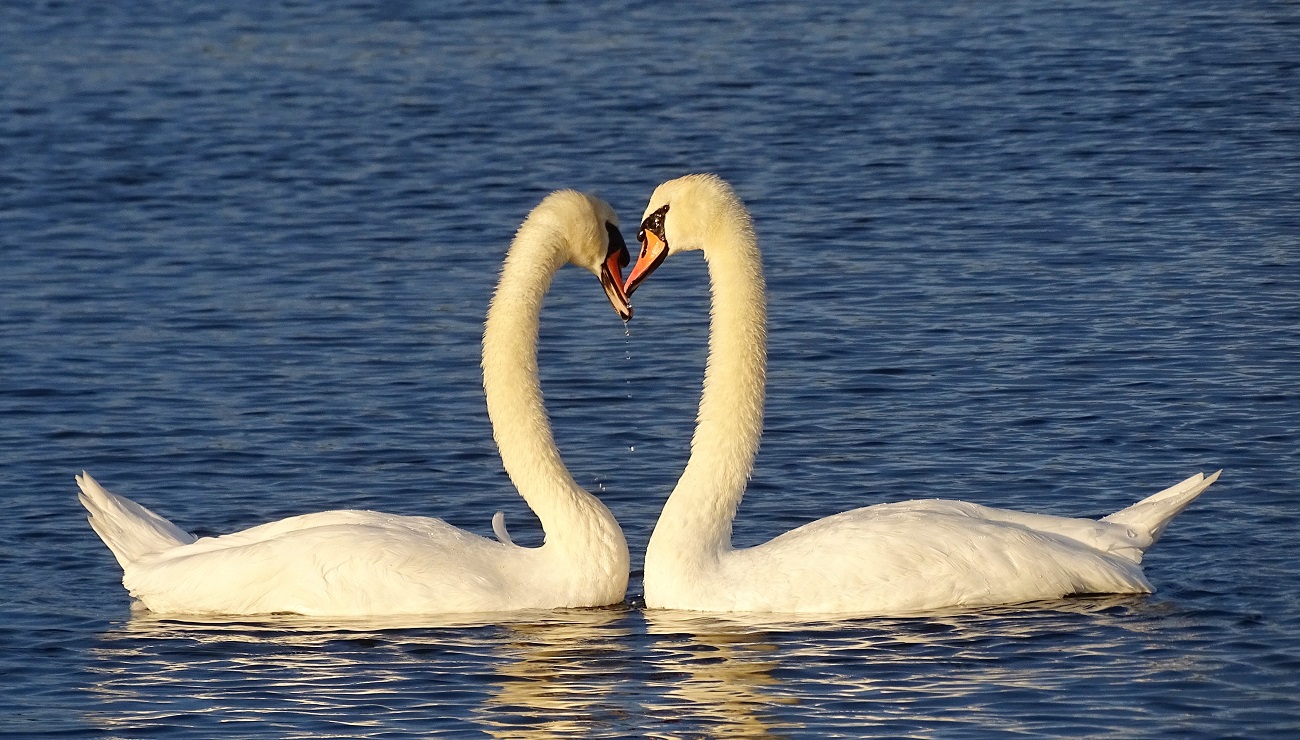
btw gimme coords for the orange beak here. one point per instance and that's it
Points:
(611, 279)
(653, 252)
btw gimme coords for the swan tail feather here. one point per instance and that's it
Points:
(1152, 514)
(130, 530)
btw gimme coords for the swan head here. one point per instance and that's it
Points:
(683, 215)
(591, 240)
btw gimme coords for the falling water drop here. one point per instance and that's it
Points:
(627, 355)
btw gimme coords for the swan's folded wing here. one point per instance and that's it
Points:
(921, 555)
(332, 563)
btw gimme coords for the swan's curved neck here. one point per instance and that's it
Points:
(700, 510)
(569, 514)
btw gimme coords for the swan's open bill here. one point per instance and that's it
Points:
(611, 273)
(887, 559)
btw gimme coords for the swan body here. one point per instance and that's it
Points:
(887, 559)
(366, 563)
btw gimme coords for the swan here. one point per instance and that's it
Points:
(366, 563)
(888, 559)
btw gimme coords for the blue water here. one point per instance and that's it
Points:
(1033, 255)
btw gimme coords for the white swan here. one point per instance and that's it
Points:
(365, 563)
(885, 559)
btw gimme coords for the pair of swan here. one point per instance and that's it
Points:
(885, 559)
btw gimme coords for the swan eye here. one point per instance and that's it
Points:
(616, 242)
(654, 223)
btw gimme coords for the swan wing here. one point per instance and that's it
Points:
(921, 555)
(335, 563)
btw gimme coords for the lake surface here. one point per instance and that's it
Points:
(1033, 255)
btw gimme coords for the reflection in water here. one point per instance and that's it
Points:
(723, 677)
(903, 676)
(560, 679)
(522, 675)
(1064, 667)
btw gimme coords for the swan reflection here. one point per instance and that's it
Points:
(615, 673)
(720, 673)
(521, 675)
(560, 678)
(892, 677)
